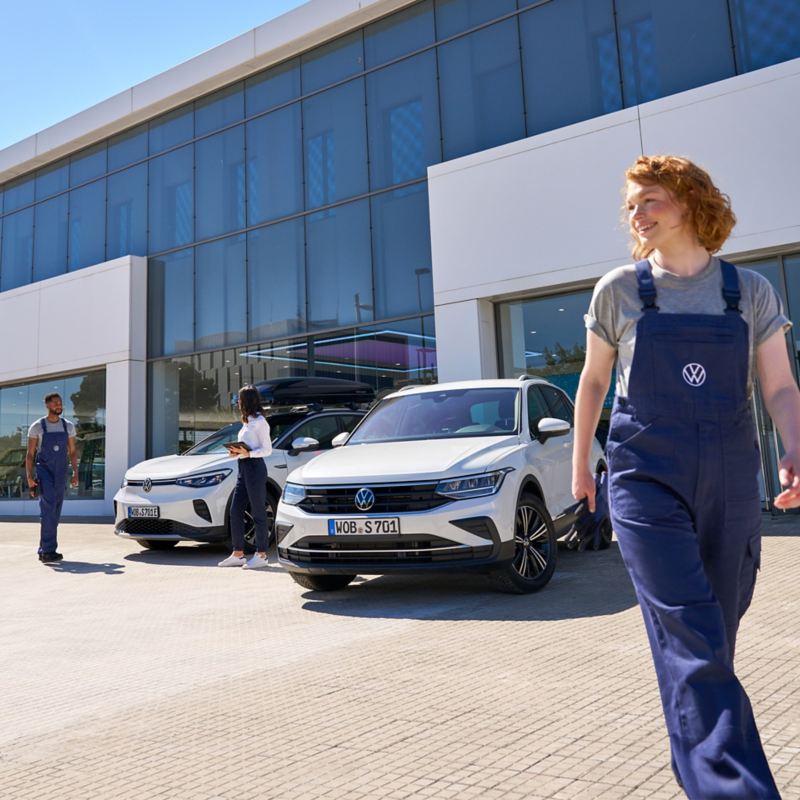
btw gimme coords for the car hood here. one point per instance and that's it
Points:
(405, 461)
(177, 466)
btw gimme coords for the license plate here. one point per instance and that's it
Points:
(360, 525)
(150, 512)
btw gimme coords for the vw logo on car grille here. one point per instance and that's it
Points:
(147, 484)
(694, 374)
(365, 499)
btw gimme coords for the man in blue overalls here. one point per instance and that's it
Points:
(50, 440)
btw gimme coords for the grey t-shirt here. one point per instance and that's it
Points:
(35, 430)
(616, 308)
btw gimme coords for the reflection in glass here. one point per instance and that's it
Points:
(791, 266)
(17, 194)
(127, 147)
(403, 121)
(402, 252)
(332, 62)
(765, 32)
(578, 38)
(171, 129)
(271, 88)
(219, 109)
(276, 280)
(170, 290)
(88, 164)
(481, 90)
(127, 212)
(455, 16)
(87, 207)
(334, 135)
(219, 172)
(16, 265)
(52, 179)
(171, 207)
(220, 314)
(398, 34)
(339, 266)
(50, 239)
(274, 165)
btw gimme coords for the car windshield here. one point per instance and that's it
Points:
(448, 414)
(215, 443)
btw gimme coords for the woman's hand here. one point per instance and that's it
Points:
(789, 475)
(583, 486)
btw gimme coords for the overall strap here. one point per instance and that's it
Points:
(64, 423)
(647, 289)
(730, 287)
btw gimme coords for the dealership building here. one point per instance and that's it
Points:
(392, 191)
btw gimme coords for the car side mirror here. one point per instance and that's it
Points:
(340, 439)
(303, 444)
(548, 427)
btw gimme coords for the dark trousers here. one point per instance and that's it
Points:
(52, 488)
(250, 497)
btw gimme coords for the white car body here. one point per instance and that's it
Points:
(449, 533)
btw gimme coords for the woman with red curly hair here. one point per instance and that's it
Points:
(687, 333)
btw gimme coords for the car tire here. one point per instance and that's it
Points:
(322, 583)
(156, 544)
(250, 528)
(536, 550)
(606, 535)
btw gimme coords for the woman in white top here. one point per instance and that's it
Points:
(251, 486)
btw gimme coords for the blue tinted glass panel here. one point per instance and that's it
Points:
(219, 109)
(16, 265)
(171, 129)
(219, 172)
(274, 87)
(766, 32)
(401, 33)
(332, 62)
(339, 266)
(171, 206)
(791, 265)
(220, 291)
(671, 47)
(87, 230)
(274, 165)
(335, 144)
(18, 194)
(575, 38)
(126, 212)
(50, 238)
(127, 147)
(401, 246)
(88, 164)
(481, 90)
(170, 291)
(276, 280)
(403, 120)
(455, 16)
(51, 180)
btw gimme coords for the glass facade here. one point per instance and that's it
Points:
(22, 404)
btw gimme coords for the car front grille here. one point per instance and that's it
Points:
(390, 498)
(146, 526)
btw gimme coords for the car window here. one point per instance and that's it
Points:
(348, 421)
(323, 429)
(560, 407)
(537, 408)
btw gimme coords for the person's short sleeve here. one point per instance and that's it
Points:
(70, 428)
(768, 316)
(600, 318)
(35, 430)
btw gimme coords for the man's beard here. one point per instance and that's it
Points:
(57, 411)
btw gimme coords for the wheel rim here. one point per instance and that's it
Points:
(250, 525)
(532, 539)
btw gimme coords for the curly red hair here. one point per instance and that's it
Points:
(707, 208)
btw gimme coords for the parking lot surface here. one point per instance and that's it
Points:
(137, 674)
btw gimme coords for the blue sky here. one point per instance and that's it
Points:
(58, 58)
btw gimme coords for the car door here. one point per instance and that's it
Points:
(550, 461)
(323, 428)
(561, 408)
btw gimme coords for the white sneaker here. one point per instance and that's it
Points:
(257, 562)
(233, 561)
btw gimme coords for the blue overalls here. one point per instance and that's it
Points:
(51, 473)
(684, 496)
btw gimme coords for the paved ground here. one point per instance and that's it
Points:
(130, 674)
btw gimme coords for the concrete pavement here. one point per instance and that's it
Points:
(138, 674)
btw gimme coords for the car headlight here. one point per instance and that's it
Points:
(293, 493)
(209, 479)
(473, 485)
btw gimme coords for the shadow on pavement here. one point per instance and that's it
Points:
(584, 585)
(202, 556)
(86, 567)
(786, 524)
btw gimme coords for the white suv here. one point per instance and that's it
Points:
(449, 476)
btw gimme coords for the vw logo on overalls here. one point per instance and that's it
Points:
(694, 374)
(147, 484)
(365, 499)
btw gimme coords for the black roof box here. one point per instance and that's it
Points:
(305, 390)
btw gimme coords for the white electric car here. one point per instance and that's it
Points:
(187, 497)
(449, 476)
